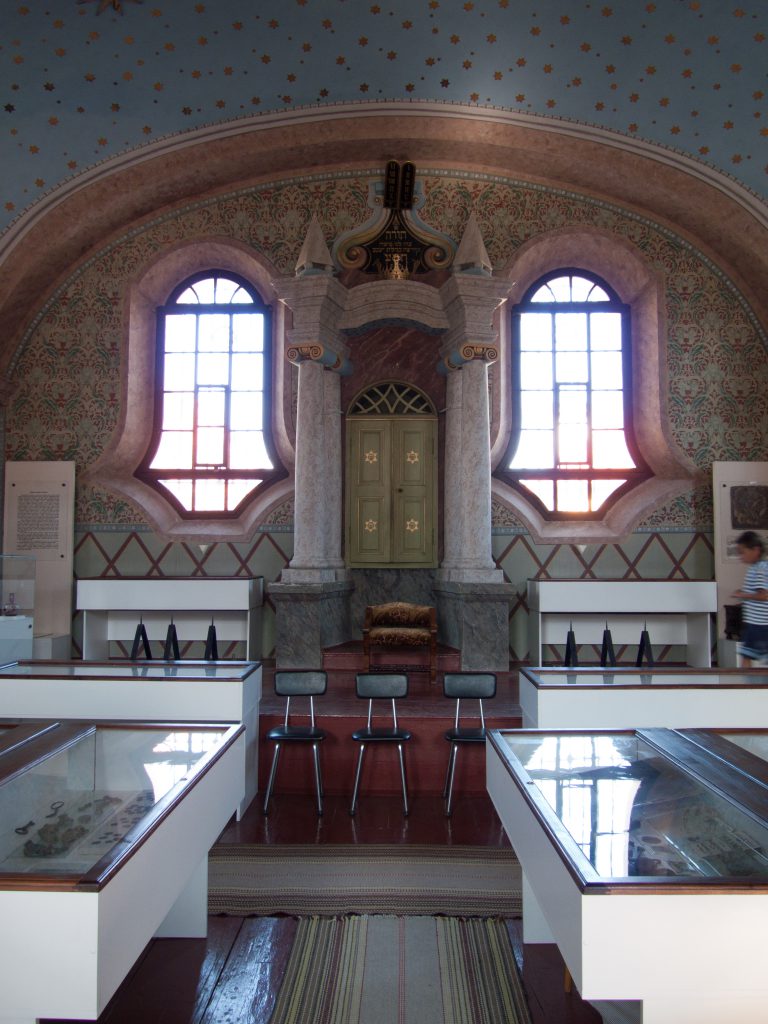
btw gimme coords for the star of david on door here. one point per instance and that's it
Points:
(412, 457)
(371, 456)
(412, 525)
(370, 525)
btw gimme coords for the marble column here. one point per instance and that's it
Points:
(467, 506)
(472, 597)
(310, 529)
(312, 596)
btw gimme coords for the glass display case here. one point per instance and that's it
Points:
(74, 798)
(637, 847)
(105, 830)
(744, 750)
(189, 691)
(17, 606)
(606, 698)
(630, 811)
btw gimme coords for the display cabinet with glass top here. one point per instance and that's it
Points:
(190, 691)
(618, 698)
(17, 606)
(104, 836)
(647, 864)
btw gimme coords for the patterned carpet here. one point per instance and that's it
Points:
(464, 881)
(401, 970)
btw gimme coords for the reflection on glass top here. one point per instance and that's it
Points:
(127, 670)
(755, 742)
(66, 812)
(634, 813)
(627, 678)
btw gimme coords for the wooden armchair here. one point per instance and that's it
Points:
(399, 624)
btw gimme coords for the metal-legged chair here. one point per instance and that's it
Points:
(303, 683)
(380, 686)
(464, 686)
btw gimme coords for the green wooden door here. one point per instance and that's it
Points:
(391, 476)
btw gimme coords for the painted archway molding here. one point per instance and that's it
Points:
(52, 238)
(114, 469)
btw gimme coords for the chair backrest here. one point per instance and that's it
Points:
(469, 685)
(301, 683)
(400, 613)
(375, 685)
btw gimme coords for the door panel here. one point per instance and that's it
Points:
(391, 491)
(369, 471)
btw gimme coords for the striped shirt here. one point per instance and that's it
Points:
(755, 578)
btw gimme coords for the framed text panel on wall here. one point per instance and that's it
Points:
(39, 522)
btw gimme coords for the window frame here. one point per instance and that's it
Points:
(151, 477)
(516, 478)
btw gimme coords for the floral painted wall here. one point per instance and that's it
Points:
(67, 402)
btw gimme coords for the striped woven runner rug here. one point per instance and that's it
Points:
(401, 970)
(470, 881)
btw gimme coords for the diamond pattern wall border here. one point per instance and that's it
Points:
(679, 555)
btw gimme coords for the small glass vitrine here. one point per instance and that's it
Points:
(76, 798)
(17, 606)
(641, 805)
(637, 848)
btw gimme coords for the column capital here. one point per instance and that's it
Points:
(470, 304)
(317, 304)
(486, 352)
(315, 353)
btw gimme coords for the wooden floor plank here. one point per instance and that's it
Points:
(251, 979)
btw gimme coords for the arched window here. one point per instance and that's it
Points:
(572, 446)
(211, 447)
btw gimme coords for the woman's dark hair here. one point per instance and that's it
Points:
(750, 539)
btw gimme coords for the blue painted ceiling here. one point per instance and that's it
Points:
(83, 81)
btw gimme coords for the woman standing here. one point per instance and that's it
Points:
(753, 647)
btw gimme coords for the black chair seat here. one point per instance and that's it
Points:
(298, 683)
(381, 735)
(372, 687)
(465, 735)
(460, 686)
(294, 734)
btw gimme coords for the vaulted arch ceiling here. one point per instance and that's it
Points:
(114, 110)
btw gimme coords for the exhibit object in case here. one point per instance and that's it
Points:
(112, 608)
(187, 691)
(638, 848)
(104, 839)
(674, 613)
(17, 607)
(623, 698)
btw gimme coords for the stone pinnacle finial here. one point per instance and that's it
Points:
(471, 256)
(314, 257)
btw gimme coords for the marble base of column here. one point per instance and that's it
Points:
(309, 616)
(474, 618)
